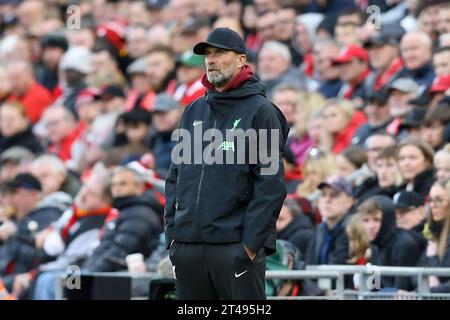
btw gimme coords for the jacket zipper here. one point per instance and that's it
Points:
(197, 202)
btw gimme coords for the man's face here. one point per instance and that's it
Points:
(159, 66)
(285, 100)
(140, 82)
(51, 56)
(443, 20)
(381, 56)
(50, 179)
(414, 53)
(266, 26)
(88, 111)
(399, 103)
(409, 218)
(350, 71)
(101, 62)
(372, 224)
(136, 133)
(323, 56)
(222, 65)
(57, 125)
(124, 184)
(137, 43)
(374, 145)
(377, 113)
(165, 121)
(433, 133)
(387, 172)
(285, 24)
(90, 196)
(271, 65)
(333, 204)
(441, 63)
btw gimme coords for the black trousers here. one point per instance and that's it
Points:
(217, 271)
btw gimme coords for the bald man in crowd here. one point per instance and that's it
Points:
(416, 52)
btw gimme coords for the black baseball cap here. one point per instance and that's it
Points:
(223, 38)
(24, 181)
(407, 199)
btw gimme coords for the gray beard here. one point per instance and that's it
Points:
(218, 79)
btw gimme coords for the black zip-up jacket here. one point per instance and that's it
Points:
(226, 203)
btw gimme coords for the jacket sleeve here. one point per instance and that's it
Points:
(407, 254)
(169, 209)
(310, 252)
(340, 253)
(268, 187)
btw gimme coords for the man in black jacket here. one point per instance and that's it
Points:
(220, 218)
(135, 230)
(329, 245)
(390, 246)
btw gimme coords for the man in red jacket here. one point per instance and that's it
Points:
(27, 91)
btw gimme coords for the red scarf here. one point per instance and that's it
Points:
(352, 86)
(78, 213)
(383, 78)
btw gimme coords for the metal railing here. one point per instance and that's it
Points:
(365, 273)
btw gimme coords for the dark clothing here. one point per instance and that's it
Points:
(69, 97)
(423, 182)
(136, 230)
(299, 232)
(226, 203)
(365, 131)
(236, 276)
(423, 76)
(437, 262)
(48, 78)
(23, 139)
(395, 247)
(226, 206)
(19, 254)
(328, 246)
(161, 146)
(330, 88)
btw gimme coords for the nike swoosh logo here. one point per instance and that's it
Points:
(195, 123)
(236, 275)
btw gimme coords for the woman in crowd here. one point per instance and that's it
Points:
(300, 141)
(316, 168)
(442, 164)
(340, 122)
(15, 128)
(350, 160)
(415, 159)
(438, 250)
